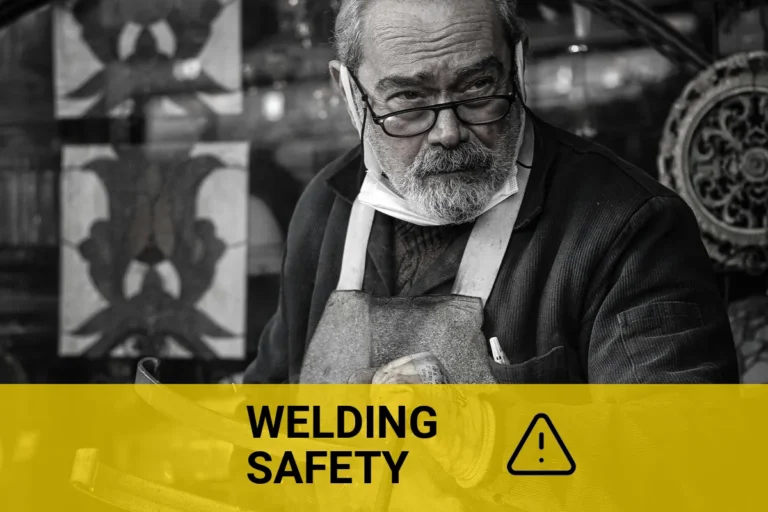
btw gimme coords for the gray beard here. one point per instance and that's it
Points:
(458, 198)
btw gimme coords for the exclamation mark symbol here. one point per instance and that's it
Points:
(541, 444)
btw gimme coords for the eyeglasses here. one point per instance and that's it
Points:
(416, 121)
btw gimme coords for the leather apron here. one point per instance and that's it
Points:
(359, 333)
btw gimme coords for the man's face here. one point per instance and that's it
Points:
(418, 53)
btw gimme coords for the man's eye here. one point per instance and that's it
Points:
(481, 84)
(407, 95)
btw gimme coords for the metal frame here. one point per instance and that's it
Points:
(657, 32)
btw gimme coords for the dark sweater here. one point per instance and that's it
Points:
(605, 280)
(418, 248)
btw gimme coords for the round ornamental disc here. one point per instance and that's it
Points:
(714, 153)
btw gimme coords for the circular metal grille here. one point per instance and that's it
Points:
(714, 153)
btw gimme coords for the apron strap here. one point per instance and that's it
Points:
(488, 244)
(356, 247)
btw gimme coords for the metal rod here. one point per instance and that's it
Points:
(665, 38)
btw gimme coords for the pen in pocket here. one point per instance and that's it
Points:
(498, 353)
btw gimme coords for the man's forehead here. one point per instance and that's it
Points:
(430, 37)
(432, 74)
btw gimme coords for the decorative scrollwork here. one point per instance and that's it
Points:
(714, 153)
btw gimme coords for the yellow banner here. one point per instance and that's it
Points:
(255, 448)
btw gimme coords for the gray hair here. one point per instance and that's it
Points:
(348, 34)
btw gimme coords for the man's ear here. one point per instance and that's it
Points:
(335, 68)
(520, 65)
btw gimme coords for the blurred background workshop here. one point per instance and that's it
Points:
(152, 153)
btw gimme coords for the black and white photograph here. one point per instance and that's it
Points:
(252, 193)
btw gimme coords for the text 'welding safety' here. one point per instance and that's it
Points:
(342, 465)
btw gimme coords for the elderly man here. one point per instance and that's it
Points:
(467, 241)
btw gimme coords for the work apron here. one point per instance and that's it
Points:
(359, 333)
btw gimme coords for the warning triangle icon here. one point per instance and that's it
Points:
(541, 451)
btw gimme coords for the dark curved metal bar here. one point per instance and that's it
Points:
(641, 21)
(187, 413)
(11, 10)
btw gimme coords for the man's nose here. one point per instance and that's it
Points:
(448, 131)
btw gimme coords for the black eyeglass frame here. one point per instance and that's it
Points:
(453, 105)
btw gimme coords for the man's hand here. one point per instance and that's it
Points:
(463, 452)
(423, 368)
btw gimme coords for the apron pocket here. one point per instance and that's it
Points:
(550, 368)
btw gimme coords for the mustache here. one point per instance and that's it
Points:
(466, 157)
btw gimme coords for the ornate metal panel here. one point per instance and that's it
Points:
(112, 53)
(714, 152)
(154, 251)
